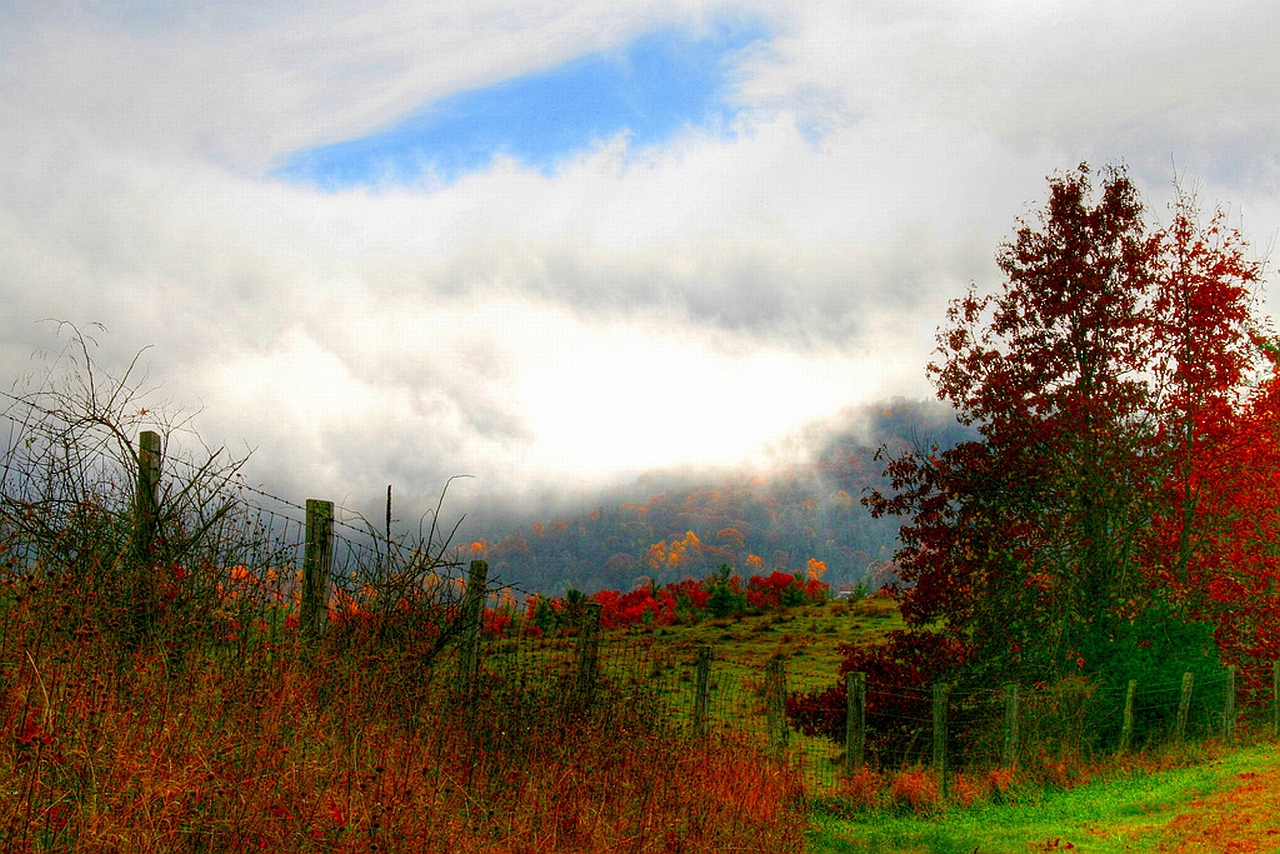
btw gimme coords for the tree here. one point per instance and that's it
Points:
(1221, 564)
(1207, 350)
(1118, 511)
(1089, 376)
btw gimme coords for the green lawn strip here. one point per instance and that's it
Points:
(1122, 814)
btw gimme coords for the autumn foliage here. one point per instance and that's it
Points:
(1117, 511)
(719, 595)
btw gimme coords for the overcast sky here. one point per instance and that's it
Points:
(555, 244)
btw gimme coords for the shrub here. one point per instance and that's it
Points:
(861, 790)
(900, 674)
(915, 788)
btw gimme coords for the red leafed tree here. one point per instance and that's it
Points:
(1093, 376)
(1221, 563)
(1206, 353)
(1123, 494)
(1020, 541)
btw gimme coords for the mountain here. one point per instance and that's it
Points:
(800, 516)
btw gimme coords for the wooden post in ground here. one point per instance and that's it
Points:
(1184, 706)
(941, 693)
(1229, 706)
(1010, 755)
(1126, 728)
(775, 698)
(702, 680)
(1275, 698)
(317, 567)
(855, 725)
(588, 653)
(469, 630)
(146, 526)
(147, 496)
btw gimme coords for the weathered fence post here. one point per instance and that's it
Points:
(855, 725)
(702, 679)
(1010, 756)
(588, 653)
(1126, 729)
(469, 631)
(1275, 698)
(147, 499)
(775, 698)
(1184, 706)
(146, 527)
(941, 692)
(317, 565)
(1229, 706)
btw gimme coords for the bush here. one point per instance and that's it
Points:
(900, 676)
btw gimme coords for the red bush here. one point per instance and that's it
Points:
(909, 661)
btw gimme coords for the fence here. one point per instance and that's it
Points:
(706, 698)
(698, 696)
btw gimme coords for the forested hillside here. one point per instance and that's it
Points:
(668, 527)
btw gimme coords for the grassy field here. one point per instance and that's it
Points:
(1225, 801)
(1204, 797)
(663, 657)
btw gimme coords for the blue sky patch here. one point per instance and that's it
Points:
(655, 87)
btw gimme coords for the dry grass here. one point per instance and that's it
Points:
(257, 744)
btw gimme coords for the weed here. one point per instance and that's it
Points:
(916, 789)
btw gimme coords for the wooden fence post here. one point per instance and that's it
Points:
(1275, 698)
(469, 630)
(855, 725)
(588, 653)
(1126, 729)
(1184, 706)
(702, 678)
(1229, 706)
(147, 498)
(317, 565)
(775, 697)
(1010, 756)
(941, 692)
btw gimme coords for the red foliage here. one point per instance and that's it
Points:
(638, 606)
(495, 624)
(900, 673)
(1229, 572)
(1104, 379)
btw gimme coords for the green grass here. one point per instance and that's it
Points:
(807, 636)
(1126, 813)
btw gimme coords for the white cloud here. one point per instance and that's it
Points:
(632, 309)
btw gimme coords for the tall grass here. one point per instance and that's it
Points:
(156, 696)
(110, 748)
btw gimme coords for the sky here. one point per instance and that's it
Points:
(554, 245)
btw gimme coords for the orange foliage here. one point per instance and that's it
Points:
(916, 788)
(861, 789)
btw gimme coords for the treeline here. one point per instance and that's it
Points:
(756, 523)
(722, 594)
